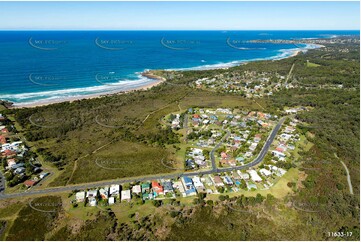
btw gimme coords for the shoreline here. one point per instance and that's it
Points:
(151, 76)
(148, 74)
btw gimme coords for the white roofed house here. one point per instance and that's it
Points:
(80, 197)
(278, 171)
(111, 200)
(205, 122)
(92, 197)
(291, 111)
(198, 184)
(242, 175)
(92, 193)
(278, 154)
(227, 180)
(253, 146)
(19, 170)
(125, 195)
(285, 137)
(11, 162)
(179, 185)
(104, 192)
(114, 190)
(265, 172)
(254, 176)
(136, 189)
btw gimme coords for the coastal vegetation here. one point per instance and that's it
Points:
(124, 133)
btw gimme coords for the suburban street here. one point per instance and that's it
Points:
(2, 183)
(214, 166)
(214, 169)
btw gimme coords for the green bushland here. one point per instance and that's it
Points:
(333, 127)
(35, 219)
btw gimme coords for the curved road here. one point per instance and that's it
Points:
(255, 162)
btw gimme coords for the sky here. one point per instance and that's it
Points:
(179, 15)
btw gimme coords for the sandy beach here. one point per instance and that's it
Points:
(148, 74)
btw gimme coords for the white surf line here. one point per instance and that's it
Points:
(348, 175)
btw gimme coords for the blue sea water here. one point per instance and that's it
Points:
(42, 66)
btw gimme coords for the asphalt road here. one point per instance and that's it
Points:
(69, 188)
(2, 183)
(213, 160)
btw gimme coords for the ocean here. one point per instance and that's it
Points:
(49, 66)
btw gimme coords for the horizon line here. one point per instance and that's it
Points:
(179, 29)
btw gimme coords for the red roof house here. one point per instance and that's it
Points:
(224, 155)
(8, 153)
(2, 140)
(157, 187)
(29, 183)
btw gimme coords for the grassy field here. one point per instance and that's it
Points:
(119, 160)
(310, 64)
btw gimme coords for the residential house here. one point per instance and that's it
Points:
(80, 197)
(147, 196)
(278, 171)
(207, 180)
(16, 166)
(253, 146)
(265, 172)
(236, 176)
(227, 180)
(168, 187)
(157, 188)
(251, 186)
(2, 140)
(254, 176)
(111, 200)
(125, 195)
(104, 192)
(243, 176)
(92, 194)
(114, 190)
(11, 162)
(145, 187)
(43, 175)
(179, 186)
(217, 181)
(136, 189)
(240, 159)
(278, 154)
(29, 183)
(8, 153)
(19, 170)
(188, 186)
(198, 184)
